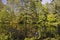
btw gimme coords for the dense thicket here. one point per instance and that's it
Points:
(29, 20)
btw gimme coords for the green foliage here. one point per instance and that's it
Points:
(32, 22)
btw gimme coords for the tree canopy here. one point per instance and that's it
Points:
(29, 20)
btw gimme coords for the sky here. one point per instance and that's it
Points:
(4, 1)
(43, 1)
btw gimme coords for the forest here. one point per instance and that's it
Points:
(29, 20)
